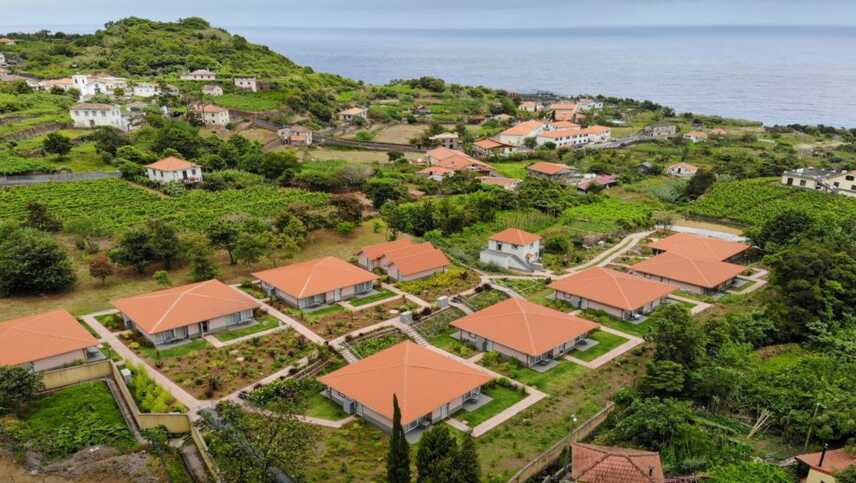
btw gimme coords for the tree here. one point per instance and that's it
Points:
(345, 228)
(846, 476)
(467, 467)
(677, 336)
(381, 190)
(201, 258)
(436, 457)
(348, 207)
(18, 385)
(101, 268)
(279, 165)
(162, 278)
(163, 238)
(699, 184)
(398, 458)
(39, 218)
(663, 378)
(250, 247)
(133, 250)
(224, 235)
(783, 229)
(754, 472)
(32, 262)
(56, 143)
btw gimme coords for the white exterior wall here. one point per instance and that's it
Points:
(92, 118)
(246, 83)
(59, 360)
(530, 252)
(192, 174)
(688, 287)
(146, 91)
(220, 118)
(321, 299)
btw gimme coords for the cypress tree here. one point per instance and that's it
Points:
(435, 460)
(467, 465)
(398, 459)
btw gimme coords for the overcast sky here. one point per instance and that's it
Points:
(434, 13)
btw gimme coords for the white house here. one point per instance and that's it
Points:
(348, 115)
(683, 170)
(487, 148)
(212, 90)
(212, 115)
(531, 106)
(295, 135)
(173, 169)
(447, 140)
(50, 84)
(513, 249)
(696, 136)
(247, 83)
(517, 134)
(820, 179)
(103, 115)
(2, 59)
(200, 75)
(91, 85)
(586, 105)
(146, 89)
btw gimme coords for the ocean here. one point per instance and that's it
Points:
(777, 75)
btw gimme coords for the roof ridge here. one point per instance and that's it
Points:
(620, 290)
(526, 323)
(174, 303)
(309, 278)
(46, 334)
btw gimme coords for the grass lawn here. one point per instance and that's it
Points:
(512, 169)
(319, 406)
(640, 330)
(485, 299)
(380, 295)
(502, 398)
(455, 280)
(564, 374)
(254, 291)
(356, 452)
(71, 419)
(265, 322)
(177, 351)
(607, 342)
(399, 133)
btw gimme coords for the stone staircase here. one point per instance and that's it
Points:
(413, 334)
(346, 353)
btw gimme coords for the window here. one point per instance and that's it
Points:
(802, 182)
(849, 177)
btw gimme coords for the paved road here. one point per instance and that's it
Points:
(20, 180)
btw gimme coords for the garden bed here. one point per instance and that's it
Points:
(253, 290)
(66, 421)
(503, 395)
(334, 321)
(372, 344)
(113, 322)
(375, 297)
(485, 298)
(209, 373)
(438, 332)
(641, 329)
(149, 396)
(533, 289)
(451, 282)
(263, 323)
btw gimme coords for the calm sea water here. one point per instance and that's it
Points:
(775, 75)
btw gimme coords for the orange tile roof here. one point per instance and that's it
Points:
(613, 288)
(57, 82)
(605, 464)
(422, 379)
(836, 460)
(489, 143)
(596, 130)
(377, 251)
(548, 168)
(524, 326)
(171, 164)
(701, 273)
(211, 108)
(561, 133)
(499, 181)
(522, 129)
(699, 247)
(36, 337)
(563, 106)
(515, 236)
(185, 305)
(564, 125)
(462, 162)
(443, 153)
(417, 259)
(315, 277)
(698, 134)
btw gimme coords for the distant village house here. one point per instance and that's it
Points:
(90, 116)
(212, 90)
(247, 84)
(447, 140)
(295, 136)
(349, 115)
(212, 115)
(173, 169)
(199, 75)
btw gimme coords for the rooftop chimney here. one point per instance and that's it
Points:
(823, 454)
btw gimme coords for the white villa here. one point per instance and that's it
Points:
(200, 75)
(517, 134)
(247, 83)
(447, 140)
(173, 169)
(146, 89)
(513, 249)
(295, 135)
(348, 115)
(212, 115)
(212, 90)
(90, 85)
(820, 179)
(103, 115)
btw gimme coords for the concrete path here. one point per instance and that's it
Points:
(327, 423)
(463, 308)
(458, 424)
(698, 305)
(605, 258)
(502, 288)
(193, 405)
(284, 372)
(357, 308)
(758, 279)
(302, 329)
(631, 343)
(214, 341)
(412, 298)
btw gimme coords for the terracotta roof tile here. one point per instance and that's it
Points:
(605, 464)
(613, 288)
(36, 337)
(417, 259)
(515, 236)
(377, 251)
(171, 164)
(525, 326)
(548, 168)
(315, 277)
(699, 247)
(836, 460)
(185, 305)
(422, 379)
(522, 129)
(701, 273)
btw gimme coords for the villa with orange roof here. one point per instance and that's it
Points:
(513, 249)
(563, 111)
(172, 169)
(185, 312)
(617, 293)
(369, 256)
(316, 282)
(457, 161)
(609, 464)
(551, 171)
(701, 276)
(522, 330)
(700, 247)
(436, 173)
(211, 115)
(403, 259)
(46, 341)
(489, 147)
(517, 134)
(429, 386)
(351, 114)
(696, 136)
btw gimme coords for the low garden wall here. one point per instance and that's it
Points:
(173, 422)
(69, 376)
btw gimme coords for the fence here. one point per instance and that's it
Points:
(25, 179)
(545, 459)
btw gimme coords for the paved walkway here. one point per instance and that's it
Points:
(357, 308)
(412, 298)
(302, 329)
(458, 424)
(632, 342)
(698, 305)
(327, 423)
(411, 332)
(193, 405)
(605, 258)
(758, 277)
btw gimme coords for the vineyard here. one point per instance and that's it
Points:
(754, 201)
(607, 215)
(108, 206)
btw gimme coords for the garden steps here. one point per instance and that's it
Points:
(411, 332)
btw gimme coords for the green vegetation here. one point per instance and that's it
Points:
(149, 396)
(64, 422)
(606, 342)
(382, 294)
(320, 406)
(563, 373)
(607, 216)
(485, 298)
(453, 281)
(373, 344)
(263, 323)
(438, 332)
(503, 395)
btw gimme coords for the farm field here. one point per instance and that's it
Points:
(399, 133)
(512, 169)
(352, 155)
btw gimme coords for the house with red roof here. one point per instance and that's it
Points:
(701, 276)
(46, 341)
(522, 330)
(492, 148)
(316, 282)
(551, 171)
(824, 465)
(700, 247)
(429, 386)
(403, 259)
(189, 311)
(617, 293)
(513, 249)
(211, 115)
(609, 464)
(172, 169)
(517, 134)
